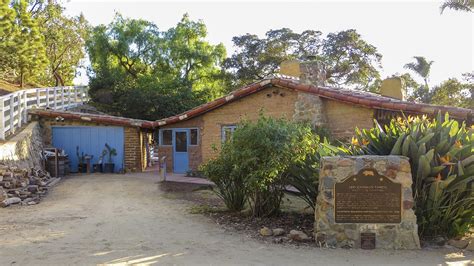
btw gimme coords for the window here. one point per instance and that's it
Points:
(166, 137)
(227, 132)
(193, 136)
(181, 139)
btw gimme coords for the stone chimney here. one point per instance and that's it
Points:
(309, 72)
(308, 107)
(393, 88)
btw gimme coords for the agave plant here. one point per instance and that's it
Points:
(441, 153)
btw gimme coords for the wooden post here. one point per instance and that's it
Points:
(62, 98)
(2, 119)
(56, 162)
(38, 100)
(12, 113)
(25, 107)
(75, 95)
(82, 95)
(47, 97)
(55, 102)
(20, 108)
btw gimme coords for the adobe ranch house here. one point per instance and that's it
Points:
(187, 139)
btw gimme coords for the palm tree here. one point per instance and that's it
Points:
(463, 5)
(422, 67)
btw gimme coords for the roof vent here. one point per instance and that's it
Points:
(393, 88)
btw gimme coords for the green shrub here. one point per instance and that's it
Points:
(256, 160)
(441, 153)
(229, 183)
(304, 175)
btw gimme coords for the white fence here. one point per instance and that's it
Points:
(14, 106)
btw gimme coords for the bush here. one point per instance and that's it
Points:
(441, 153)
(256, 161)
(304, 175)
(229, 183)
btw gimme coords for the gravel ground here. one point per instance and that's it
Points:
(129, 219)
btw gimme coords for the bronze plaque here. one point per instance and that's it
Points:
(367, 240)
(368, 198)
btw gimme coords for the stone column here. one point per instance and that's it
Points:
(393, 171)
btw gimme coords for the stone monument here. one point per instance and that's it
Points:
(366, 202)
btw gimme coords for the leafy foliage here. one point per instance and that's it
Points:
(304, 175)
(256, 160)
(64, 40)
(441, 153)
(38, 43)
(138, 71)
(460, 5)
(348, 58)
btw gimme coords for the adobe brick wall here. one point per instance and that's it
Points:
(273, 101)
(133, 145)
(343, 118)
(195, 155)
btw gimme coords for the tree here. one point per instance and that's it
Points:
(422, 67)
(169, 71)
(30, 54)
(348, 59)
(455, 93)
(64, 39)
(7, 20)
(460, 5)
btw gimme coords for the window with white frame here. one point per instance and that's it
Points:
(227, 132)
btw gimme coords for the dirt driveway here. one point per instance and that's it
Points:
(126, 219)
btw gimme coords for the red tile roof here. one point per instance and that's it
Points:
(355, 97)
(96, 118)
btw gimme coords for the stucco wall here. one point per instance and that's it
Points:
(343, 118)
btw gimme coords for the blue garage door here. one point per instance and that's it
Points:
(91, 141)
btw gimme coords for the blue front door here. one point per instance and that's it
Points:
(180, 151)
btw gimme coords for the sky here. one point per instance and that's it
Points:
(399, 29)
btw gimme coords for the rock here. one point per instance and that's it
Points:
(278, 231)
(461, 244)
(440, 241)
(470, 247)
(265, 231)
(298, 236)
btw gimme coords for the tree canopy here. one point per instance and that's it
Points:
(348, 59)
(39, 44)
(142, 72)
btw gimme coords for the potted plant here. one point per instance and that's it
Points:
(98, 166)
(110, 166)
(81, 165)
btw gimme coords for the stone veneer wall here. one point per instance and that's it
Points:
(390, 236)
(24, 149)
(309, 108)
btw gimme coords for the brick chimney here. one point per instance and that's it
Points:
(393, 88)
(309, 72)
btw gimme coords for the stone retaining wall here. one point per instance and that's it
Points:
(403, 235)
(24, 149)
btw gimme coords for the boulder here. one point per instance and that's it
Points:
(298, 236)
(278, 231)
(265, 231)
(461, 243)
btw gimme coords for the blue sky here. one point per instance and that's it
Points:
(399, 29)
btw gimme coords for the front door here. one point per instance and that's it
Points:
(180, 151)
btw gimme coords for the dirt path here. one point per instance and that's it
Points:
(120, 219)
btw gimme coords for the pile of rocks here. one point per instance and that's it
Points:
(294, 235)
(22, 186)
